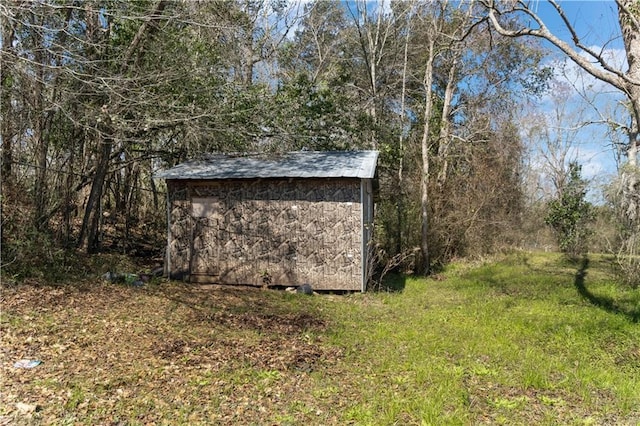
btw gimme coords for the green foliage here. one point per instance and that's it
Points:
(200, 77)
(315, 116)
(25, 251)
(570, 215)
(32, 255)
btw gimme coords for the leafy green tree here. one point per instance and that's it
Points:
(571, 214)
(594, 61)
(102, 93)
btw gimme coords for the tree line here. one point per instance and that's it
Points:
(98, 95)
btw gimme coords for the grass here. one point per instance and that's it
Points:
(527, 339)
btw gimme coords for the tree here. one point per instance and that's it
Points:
(589, 59)
(553, 136)
(106, 132)
(570, 214)
(6, 87)
(594, 62)
(440, 32)
(624, 197)
(374, 38)
(102, 93)
(474, 82)
(96, 92)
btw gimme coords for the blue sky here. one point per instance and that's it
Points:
(596, 23)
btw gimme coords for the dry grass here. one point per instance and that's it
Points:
(161, 354)
(529, 339)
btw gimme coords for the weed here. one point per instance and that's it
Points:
(509, 403)
(76, 397)
(269, 376)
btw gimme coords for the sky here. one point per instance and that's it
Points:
(595, 20)
(596, 23)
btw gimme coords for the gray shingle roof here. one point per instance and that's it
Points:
(300, 164)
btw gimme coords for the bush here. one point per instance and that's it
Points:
(570, 215)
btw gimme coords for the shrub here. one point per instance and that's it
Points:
(570, 215)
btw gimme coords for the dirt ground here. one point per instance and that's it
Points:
(163, 354)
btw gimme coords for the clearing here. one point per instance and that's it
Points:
(526, 339)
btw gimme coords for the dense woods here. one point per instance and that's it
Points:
(98, 95)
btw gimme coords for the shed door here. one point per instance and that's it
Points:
(205, 212)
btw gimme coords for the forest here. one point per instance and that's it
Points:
(97, 96)
(506, 289)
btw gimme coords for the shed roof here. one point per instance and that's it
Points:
(299, 164)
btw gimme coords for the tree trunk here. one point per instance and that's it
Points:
(89, 233)
(247, 61)
(154, 189)
(371, 40)
(400, 203)
(445, 126)
(375, 52)
(128, 194)
(629, 18)
(424, 181)
(41, 139)
(632, 150)
(69, 209)
(5, 100)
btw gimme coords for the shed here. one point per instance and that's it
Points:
(275, 220)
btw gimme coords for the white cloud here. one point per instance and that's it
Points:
(581, 98)
(566, 70)
(595, 162)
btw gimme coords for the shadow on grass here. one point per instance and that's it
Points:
(606, 303)
(391, 283)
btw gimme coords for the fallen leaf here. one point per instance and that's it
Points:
(24, 408)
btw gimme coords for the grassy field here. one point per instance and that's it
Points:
(527, 339)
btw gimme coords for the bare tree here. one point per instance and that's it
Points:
(425, 145)
(400, 208)
(597, 64)
(442, 39)
(593, 61)
(374, 37)
(253, 31)
(558, 133)
(88, 239)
